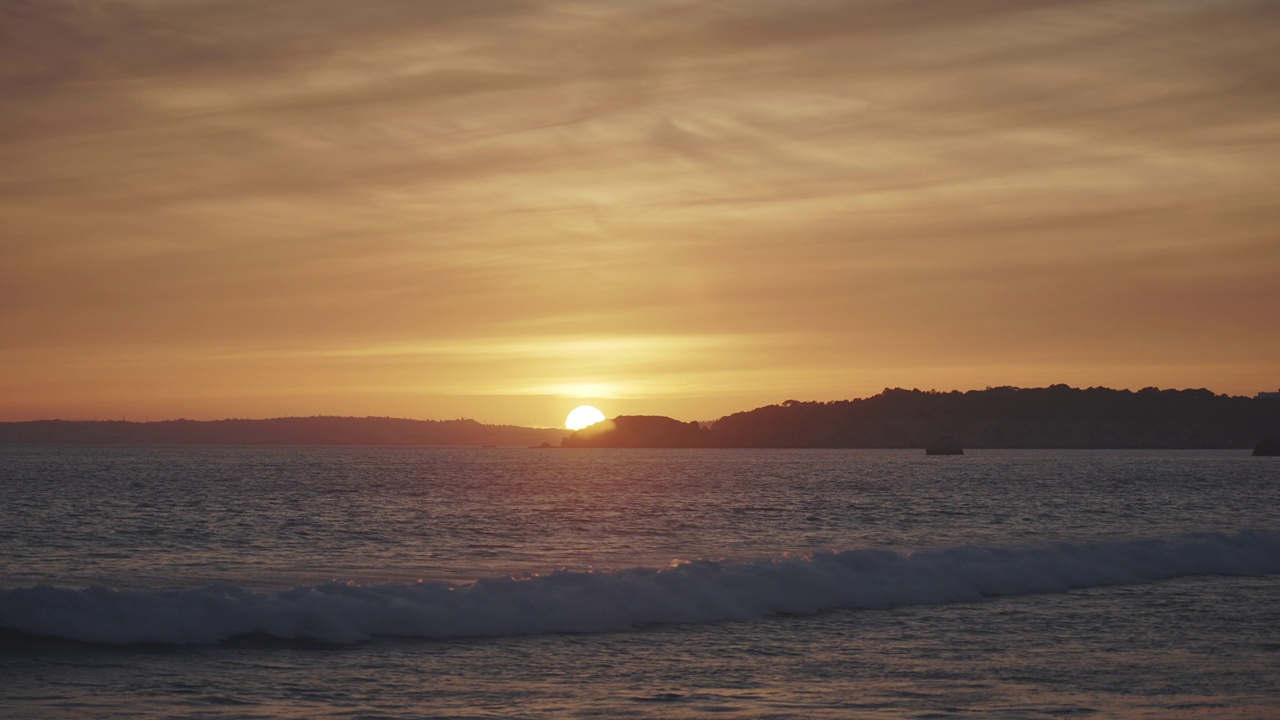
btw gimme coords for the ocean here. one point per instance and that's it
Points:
(320, 582)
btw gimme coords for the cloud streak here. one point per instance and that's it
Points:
(1081, 187)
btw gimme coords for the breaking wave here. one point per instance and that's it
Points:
(584, 602)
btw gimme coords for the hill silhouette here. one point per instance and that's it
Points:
(277, 431)
(639, 431)
(1004, 417)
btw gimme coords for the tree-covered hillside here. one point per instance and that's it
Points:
(1003, 417)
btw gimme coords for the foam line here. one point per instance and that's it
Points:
(586, 602)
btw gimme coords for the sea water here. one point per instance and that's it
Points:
(513, 582)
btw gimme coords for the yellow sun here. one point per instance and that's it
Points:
(582, 416)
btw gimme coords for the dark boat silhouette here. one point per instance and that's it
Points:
(945, 445)
(1269, 447)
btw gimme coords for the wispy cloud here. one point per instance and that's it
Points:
(888, 184)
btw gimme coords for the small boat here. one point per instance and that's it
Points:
(945, 445)
(1268, 448)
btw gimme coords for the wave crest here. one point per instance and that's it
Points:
(584, 602)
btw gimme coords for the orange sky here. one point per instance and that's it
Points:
(500, 209)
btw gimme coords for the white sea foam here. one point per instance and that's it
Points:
(600, 602)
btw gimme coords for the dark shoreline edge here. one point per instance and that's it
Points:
(1056, 417)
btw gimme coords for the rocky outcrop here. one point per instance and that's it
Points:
(1268, 448)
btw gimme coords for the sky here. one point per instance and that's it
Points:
(498, 209)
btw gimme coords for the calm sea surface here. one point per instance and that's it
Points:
(496, 582)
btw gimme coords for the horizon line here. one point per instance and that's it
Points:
(1261, 394)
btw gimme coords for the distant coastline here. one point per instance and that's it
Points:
(1004, 417)
(322, 430)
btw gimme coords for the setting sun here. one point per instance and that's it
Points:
(582, 416)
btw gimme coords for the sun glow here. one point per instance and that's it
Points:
(582, 416)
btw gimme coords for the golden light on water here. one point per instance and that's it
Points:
(582, 416)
